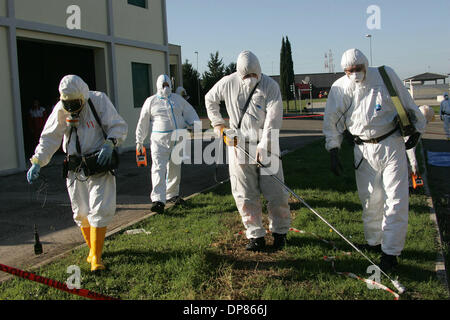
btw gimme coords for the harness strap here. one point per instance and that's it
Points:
(244, 110)
(395, 99)
(358, 140)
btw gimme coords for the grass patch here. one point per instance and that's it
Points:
(195, 251)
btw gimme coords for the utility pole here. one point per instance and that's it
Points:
(370, 41)
(198, 81)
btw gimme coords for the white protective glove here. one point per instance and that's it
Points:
(262, 156)
(139, 147)
(218, 130)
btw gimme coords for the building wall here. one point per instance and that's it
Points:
(140, 24)
(3, 8)
(139, 35)
(124, 57)
(53, 12)
(7, 120)
(424, 91)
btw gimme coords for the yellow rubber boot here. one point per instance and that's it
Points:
(97, 240)
(86, 231)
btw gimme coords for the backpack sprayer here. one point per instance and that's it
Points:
(230, 139)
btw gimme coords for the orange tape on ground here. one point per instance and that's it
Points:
(53, 283)
(296, 117)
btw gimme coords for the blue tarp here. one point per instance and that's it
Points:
(439, 159)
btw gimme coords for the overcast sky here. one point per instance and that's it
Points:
(412, 36)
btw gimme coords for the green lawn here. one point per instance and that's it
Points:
(437, 111)
(196, 251)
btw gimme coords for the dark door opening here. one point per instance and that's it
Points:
(41, 68)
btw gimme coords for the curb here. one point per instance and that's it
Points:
(440, 270)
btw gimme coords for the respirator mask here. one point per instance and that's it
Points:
(357, 76)
(73, 108)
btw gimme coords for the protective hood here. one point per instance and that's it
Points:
(72, 87)
(159, 84)
(353, 57)
(181, 91)
(247, 63)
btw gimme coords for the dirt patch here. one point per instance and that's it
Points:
(249, 270)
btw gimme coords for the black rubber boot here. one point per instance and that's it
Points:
(279, 241)
(368, 247)
(158, 207)
(388, 262)
(177, 200)
(256, 244)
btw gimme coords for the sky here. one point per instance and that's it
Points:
(411, 36)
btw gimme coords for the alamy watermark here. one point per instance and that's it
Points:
(74, 19)
(74, 280)
(208, 148)
(374, 19)
(375, 276)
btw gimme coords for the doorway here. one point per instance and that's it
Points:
(42, 65)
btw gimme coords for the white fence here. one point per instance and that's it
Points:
(427, 91)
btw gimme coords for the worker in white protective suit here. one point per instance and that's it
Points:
(164, 116)
(359, 102)
(259, 134)
(182, 92)
(91, 184)
(428, 113)
(445, 114)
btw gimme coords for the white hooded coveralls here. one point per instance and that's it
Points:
(367, 111)
(93, 199)
(445, 112)
(263, 116)
(163, 117)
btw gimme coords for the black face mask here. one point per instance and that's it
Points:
(72, 106)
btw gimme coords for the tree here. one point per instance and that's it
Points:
(231, 68)
(284, 87)
(215, 73)
(286, 70)
(191, 82)
(289, 68)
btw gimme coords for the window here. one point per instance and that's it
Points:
(142, 86)
(139, 3)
